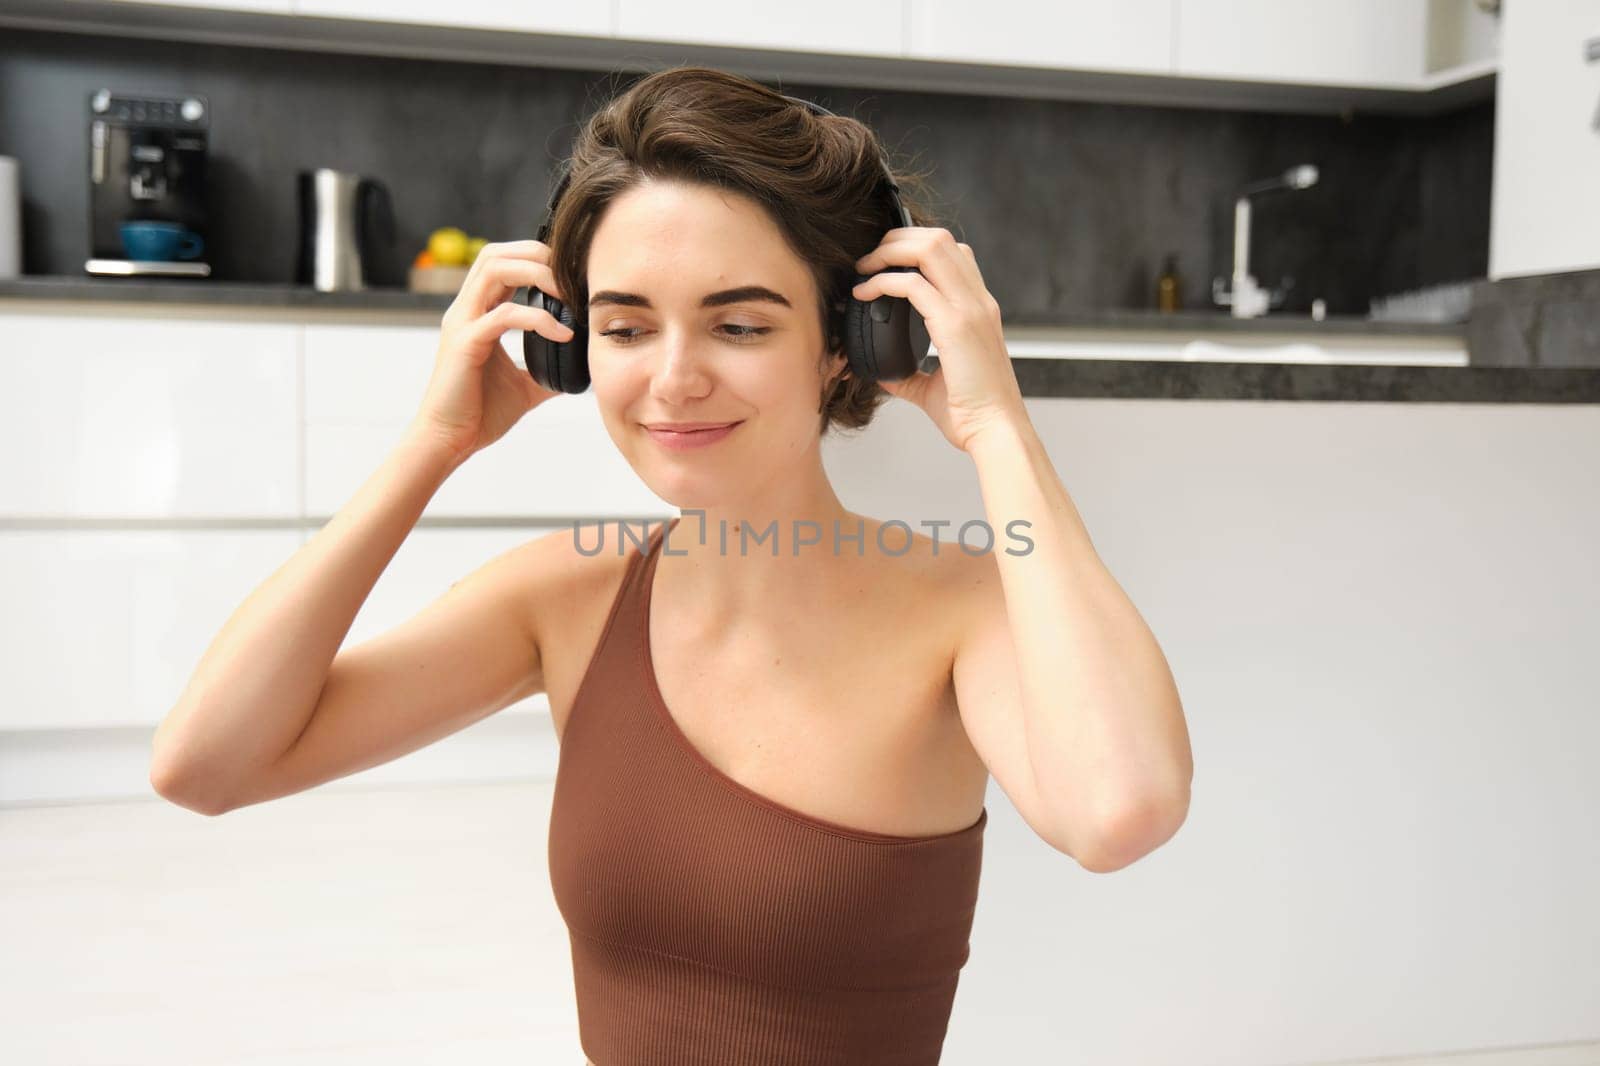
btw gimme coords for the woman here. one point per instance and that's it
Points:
(767, 824)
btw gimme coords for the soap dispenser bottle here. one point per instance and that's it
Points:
(1169, 290)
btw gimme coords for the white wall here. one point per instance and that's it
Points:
(1546, 205)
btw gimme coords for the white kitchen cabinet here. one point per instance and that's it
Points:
(1461, 36)
(586, 17)
(1396, 56)
(104, 627)
(364, 384)
(1374, 43)
(837, 26)
(1133, 36)
(1545, 216)
(119, 415)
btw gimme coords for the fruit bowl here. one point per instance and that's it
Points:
(441, 279)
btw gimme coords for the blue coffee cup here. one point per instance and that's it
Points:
(160, 241)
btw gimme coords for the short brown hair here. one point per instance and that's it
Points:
(817, 176)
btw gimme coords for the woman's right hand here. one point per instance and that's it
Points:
(477, 393)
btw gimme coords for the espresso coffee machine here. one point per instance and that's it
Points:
(147, 164)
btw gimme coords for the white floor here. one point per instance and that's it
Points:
(402, 925)
(352, 925)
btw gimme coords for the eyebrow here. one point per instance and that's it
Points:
(743, 294)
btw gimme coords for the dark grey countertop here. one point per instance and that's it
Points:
(1110, 378)
(278, 294)
(1346, 383)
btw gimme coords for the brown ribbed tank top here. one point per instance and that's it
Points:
(712, 926)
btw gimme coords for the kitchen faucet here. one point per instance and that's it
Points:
(1248, 299)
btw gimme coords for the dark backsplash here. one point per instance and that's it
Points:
(1069, 206)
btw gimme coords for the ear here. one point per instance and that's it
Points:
(837, 364)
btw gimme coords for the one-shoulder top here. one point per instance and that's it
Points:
(713, 926)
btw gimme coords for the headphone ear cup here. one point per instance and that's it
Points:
(886, 337)
(858, 341)
(559, 365)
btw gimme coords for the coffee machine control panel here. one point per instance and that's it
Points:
(151, 111)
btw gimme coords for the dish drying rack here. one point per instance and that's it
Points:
(1449, 302)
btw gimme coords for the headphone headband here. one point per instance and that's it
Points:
(884, 339)
(901, 215)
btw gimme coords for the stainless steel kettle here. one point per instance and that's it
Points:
(340, 217)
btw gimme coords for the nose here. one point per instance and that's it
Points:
(680, 373)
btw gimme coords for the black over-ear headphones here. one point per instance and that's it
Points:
(884, 339)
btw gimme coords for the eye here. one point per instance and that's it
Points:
(751, 332)
(740, 335)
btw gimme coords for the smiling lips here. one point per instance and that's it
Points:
(683, 436)
(686, 426)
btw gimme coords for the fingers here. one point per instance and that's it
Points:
(536, 249)
(972, 265)
(950, 265)
(929, 301)
(498, 277)
(511, 315)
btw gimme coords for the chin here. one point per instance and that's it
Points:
(688, 491)
(680, 483)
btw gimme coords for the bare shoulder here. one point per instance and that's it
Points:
(970, 572)
(937, 580)
(570, 580)
(562, 578)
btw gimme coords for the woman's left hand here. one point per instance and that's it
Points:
(974, 386)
